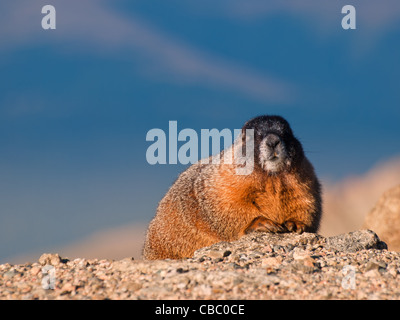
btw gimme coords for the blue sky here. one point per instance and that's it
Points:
(76, 102)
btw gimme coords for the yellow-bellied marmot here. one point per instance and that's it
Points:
(210, 203)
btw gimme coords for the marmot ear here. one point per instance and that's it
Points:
(246, 126)
(252, 123)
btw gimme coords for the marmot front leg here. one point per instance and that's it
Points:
(263, 224)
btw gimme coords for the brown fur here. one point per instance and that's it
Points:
(210, 203)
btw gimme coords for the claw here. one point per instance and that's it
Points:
(295, 226)
(262, 224)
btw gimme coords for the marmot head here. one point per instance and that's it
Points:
(275, 147)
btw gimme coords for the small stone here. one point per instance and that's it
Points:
(372, 274)
(270, 270)
(10, 273)
(132, 286)
(67, 288)
(215, 254)
(35, 270)
(289, 248)
(50, 258)
(300, 266)
(271, 262)
(267, 248)
(355, 241)
(26, 289)
(181, 285)
(308, 262)
(393, 272)
(374, 265)
(243, 257)
(300, 254)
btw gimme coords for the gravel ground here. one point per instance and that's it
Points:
(258, 266)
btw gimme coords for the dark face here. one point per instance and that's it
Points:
(276, 148)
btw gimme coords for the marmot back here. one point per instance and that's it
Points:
(210, 203)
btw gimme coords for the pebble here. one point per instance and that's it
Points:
(271, 262)
(35, 270)
(10, 273)
(67, 288)
(49, 258)
(375, 265)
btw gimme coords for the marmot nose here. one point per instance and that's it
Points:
(272, 140)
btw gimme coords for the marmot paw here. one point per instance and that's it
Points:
(263, 224)
(295, 226)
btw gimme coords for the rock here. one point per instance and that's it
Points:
(35, 270)
(258, 241)
(271, 262)
(372, 274)
(50, 258)
(262, 242)
(132, 286)
(384, 218)
(303, 261)
(215, 254)
(308, 262)
(303, 267)
(256, 266)
(375, 265)
(355, 241)
(67, 288)
(299, 254)
(10, 273)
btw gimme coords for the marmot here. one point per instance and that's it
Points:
(210, 203)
